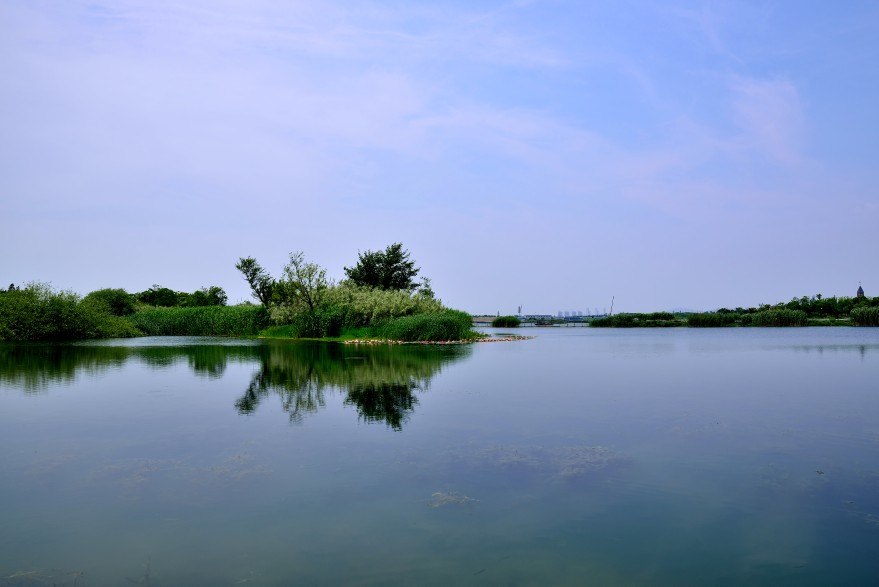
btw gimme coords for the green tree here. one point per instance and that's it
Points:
(159, 296)
(261, 283)
(303, 282)
(207, 296)
(116, 301)
(390, 269)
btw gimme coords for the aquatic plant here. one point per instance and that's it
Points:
(865, 316)
(241, 320)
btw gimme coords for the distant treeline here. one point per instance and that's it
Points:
(804, 311)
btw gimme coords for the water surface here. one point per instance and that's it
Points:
(606, 457)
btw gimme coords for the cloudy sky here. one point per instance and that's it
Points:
(548, 153)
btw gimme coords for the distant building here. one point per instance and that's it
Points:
(860, 291)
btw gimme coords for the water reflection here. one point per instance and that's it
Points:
(379, 381)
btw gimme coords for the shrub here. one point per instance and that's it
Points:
(506, 322)
(439, 326)
(865, 316)
(117, 302)
(36, 313)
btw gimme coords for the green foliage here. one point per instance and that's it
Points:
(653, 320)
(712, 319)
(37, 313)
(779, 317)
(206, 296)
(865, 316)
(440, 326)
(241, 320)
(158, 296)
(117, 302)
(261, 283)
(506, 322)
(364, 306)
(390, 269)
(303, 284)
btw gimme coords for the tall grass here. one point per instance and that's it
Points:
(243, 320)
(863, 316)
(438, 326)
(776, 317)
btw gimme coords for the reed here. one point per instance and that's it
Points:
(242, 320)
(438, 326)
(864, 316)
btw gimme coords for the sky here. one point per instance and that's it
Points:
(554, 155)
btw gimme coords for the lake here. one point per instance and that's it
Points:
(581, 456)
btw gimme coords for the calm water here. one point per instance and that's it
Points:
(599, 457)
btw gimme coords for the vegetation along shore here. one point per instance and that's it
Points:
(379, 300)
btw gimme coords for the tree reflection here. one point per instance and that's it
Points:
(380, 381)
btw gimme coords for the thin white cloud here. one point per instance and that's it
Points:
(771, 117)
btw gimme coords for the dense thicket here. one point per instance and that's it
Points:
(506, 322)
(380, 290)
(37, 312)
(163, 297)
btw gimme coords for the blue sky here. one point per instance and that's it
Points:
(551, 153)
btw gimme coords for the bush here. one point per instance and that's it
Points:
(506, 322)
(117, 302)
(37, 313)
(439, 326)
(242, 320)
(865, 316)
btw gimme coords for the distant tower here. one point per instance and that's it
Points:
(520, 311)
(860, 292)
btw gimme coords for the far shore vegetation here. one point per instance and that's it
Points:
(380, 299)
(506, 322)
(804, 311)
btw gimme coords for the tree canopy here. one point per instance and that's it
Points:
(390, 269)
(261, 283)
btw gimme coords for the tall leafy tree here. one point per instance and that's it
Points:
(261, 283)
(303, 282)
(391, 269)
